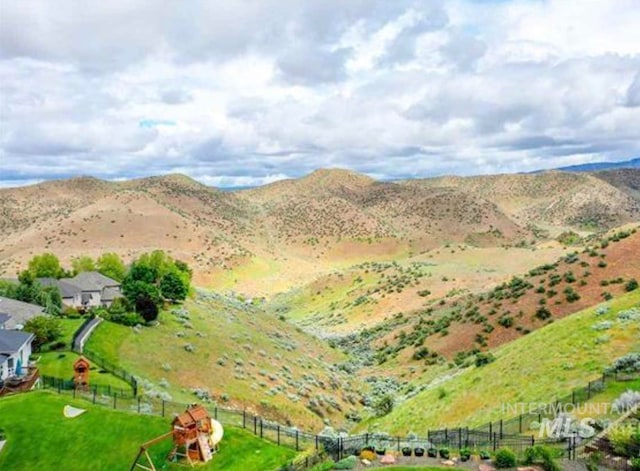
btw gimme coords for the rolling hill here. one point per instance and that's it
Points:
(266, 240)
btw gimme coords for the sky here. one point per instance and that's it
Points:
(247, 92)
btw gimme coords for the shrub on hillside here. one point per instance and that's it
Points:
(505, 458)
(631, 285)
(348, 463)
(484, 359)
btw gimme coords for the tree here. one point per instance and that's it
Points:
(46, 329)
(110, 264)
(173, 287)
(83, 263)
(146, 307)
(141, 271)
(45, 265)
(134, 289)
(51, 300)
(631, 285)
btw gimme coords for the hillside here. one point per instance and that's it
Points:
(537, 368)
(455, 327)
(234, 353)
(554, 200)
(266, 240)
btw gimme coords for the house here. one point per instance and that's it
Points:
(15, 350)
(86, 290)
(14, 314)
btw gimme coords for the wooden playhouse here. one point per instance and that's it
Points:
(192, 433)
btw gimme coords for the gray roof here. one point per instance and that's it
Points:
(19, 312)
(3, 358)
(4, 318)
(12, 340)
(92, 281)
(110, 293)
(67, 289)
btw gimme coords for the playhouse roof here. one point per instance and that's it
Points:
(80, 361)
(191, 416)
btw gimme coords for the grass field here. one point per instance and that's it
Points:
(60, 365)
(539, 367)
(40, 438)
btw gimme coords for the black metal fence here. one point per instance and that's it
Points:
(110, 367)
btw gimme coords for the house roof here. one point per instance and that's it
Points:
(67, 289)
(110, 293)
(92, 281)
(19, 312)
(3, 358)
(4, 318)
(12, 341)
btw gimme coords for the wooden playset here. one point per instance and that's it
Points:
(195, 439)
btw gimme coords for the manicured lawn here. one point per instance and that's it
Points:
(41, 438)
(60, 365)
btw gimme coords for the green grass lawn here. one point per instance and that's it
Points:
(60, 365)
(540, 367)
(41, 438)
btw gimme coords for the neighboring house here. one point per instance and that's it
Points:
(86, 290)
(15, 350)
(14, 314)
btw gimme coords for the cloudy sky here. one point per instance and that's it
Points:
(246, 92)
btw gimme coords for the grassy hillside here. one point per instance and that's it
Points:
(365, 294)
(41, 438)
(237, 353)
(545, 364)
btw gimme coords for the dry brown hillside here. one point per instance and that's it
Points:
(305, 225)
(555, 199)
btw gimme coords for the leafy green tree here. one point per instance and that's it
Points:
(110, 264)
(45, 328)
(45, 265)
(134, 289)
(631, 285)
(49, 298)
(8, 289)
(142, 271)
(173, 287)
(83, 263)
(27, 289)
(147, 307)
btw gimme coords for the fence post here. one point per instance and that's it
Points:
(115, 394)
(138, 404)
(278, 432)
(163, 408)
(589, 391)
(501, 434)
(261, 431)
(255, 425)
(316, 442)
(297, 439)
(366, 439)
(459, 438)
(215, 412)
(490, 428)
(244, 419)
(398, 443)
(533, 440)
(520, 423)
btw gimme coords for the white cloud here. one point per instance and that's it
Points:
(262, 90)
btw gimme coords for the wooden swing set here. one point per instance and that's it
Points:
(195, 439)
